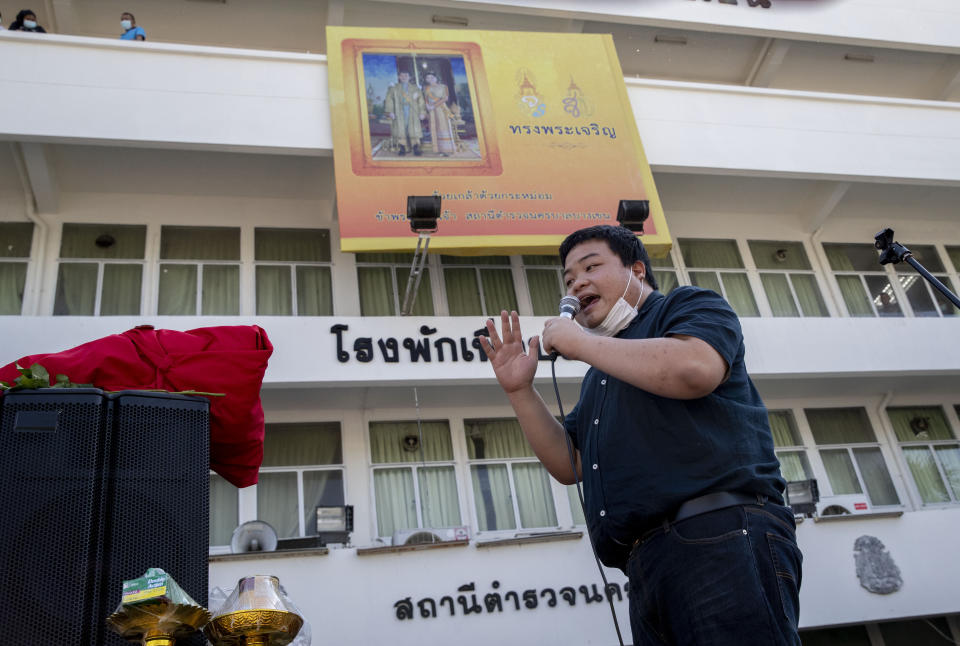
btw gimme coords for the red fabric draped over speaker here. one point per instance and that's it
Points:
(225, 359)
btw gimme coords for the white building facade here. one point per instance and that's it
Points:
(782, 135)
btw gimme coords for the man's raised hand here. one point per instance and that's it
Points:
(514, 367)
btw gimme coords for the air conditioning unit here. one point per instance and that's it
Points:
(850, 504)
(428, 535)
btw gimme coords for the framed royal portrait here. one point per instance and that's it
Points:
(418, 108)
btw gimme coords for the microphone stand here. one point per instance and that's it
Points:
(894, 252)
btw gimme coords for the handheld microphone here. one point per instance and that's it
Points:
(569, 307)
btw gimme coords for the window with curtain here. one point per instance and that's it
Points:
(788, 279)
(665, 273)
(924, 298)
(224, 510)
(717, 265)
(100, 270)
(293, 272)
(382, 280)
(930, 450)
(479, 286)
(576, 511)
(544, 282)
(414, 483)
(954, 254)
(302, 469)
(15, 241)
(794, 464)
(851, 454)
(511, 489)
(864, 283)
(199, 271)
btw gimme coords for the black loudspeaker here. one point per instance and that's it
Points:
(95, 488)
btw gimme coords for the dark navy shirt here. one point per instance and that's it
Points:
(644, 455)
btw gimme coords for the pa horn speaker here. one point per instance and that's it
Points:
(254, 536)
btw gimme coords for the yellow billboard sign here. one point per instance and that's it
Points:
(525, 136)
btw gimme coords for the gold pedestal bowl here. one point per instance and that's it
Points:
(157, 623)
(254, 627)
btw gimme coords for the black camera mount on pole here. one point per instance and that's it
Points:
(894, 252)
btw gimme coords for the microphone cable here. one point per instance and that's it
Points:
(573, 466)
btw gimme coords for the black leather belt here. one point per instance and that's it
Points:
(713, 502)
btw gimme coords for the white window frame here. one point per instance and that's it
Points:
(748, 271)
(905, 273)
(399, 290)
(100, 262)
(509, 463)
(883, 271)
(415, 468)
(300, 470)
(507, 265)
(950, 414)
(786, 274)
(293, 265)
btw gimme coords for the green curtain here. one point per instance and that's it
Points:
(779, 255)
(706, 280)
(711, 254)
(808, 293)
(278, 503)
(274, 290)
(463, 291)
(666, 280)
(221, 290)
(387, 442)
(76, 293)
(491, 494)
(858, 303)
(545, 291)
(314, 291)
(498, 291)
(912, 423)
(739, 294)
(949, 457)
(779, 295)
(199, 243)
(80, 241)
(576, 511)
(292, 245)
(13, 276)
(840, 472)
(120, 293)
(17, 238)
(851, 257)
(496, 439)
(784, 428)
(178, 290)
(395, 500)
(302, 444)
(923, 468)
(534, 498)
(876, 477)
(840, 425)
(439, 505)
(377, 291)
(224, 515)
(794, 465)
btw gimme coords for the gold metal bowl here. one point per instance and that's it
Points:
(254, 626)
(157, 623)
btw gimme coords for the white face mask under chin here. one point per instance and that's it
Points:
(619, 316)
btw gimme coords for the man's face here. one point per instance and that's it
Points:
(596, 275)
(404, 77)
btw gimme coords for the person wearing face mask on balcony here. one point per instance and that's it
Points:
(27, 21)
(130, 29)
(682, 488)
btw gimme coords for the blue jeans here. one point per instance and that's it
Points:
(730, 576)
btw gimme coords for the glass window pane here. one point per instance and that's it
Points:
(919, 296)
(121, 289)
(302, 444)
(13, 277)
(912, 423)
(949, 458)
(855, 296)
(224, 516)
(944, 304)
(439, 505)
(496, 439)
(16, 239)
(876, 477)
(542, 261)
(534, 498)
(498, 291)
(377, 292)
(840, 472)
(320, 489)
(423, 303)
(794, 465)
(778, 255)
(475, 260)
(926, 255)
(852, 257)
(884, 299)
(545, 291)
(954, 254)
(199, 243)
(779, 295)
(314, 291)
(706, 280)
(666, 261)
(274, 295)
(923, 468)
(713, 254)
(395, 499)
(576, 511)
(292, 245)
(221, 290)
(784, 428)
(666, 280)
(76, 289)
(401, 442)
(840, 425)
(178, 290)
(491, 494)
(463, 291)
(278, 504)
(808, 293)
(739, 294)
(102, 241)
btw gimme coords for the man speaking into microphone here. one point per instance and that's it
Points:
(673, 445)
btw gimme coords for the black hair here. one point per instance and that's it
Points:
(127, 13)
(621, 240)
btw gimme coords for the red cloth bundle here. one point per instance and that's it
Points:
(226, 359)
